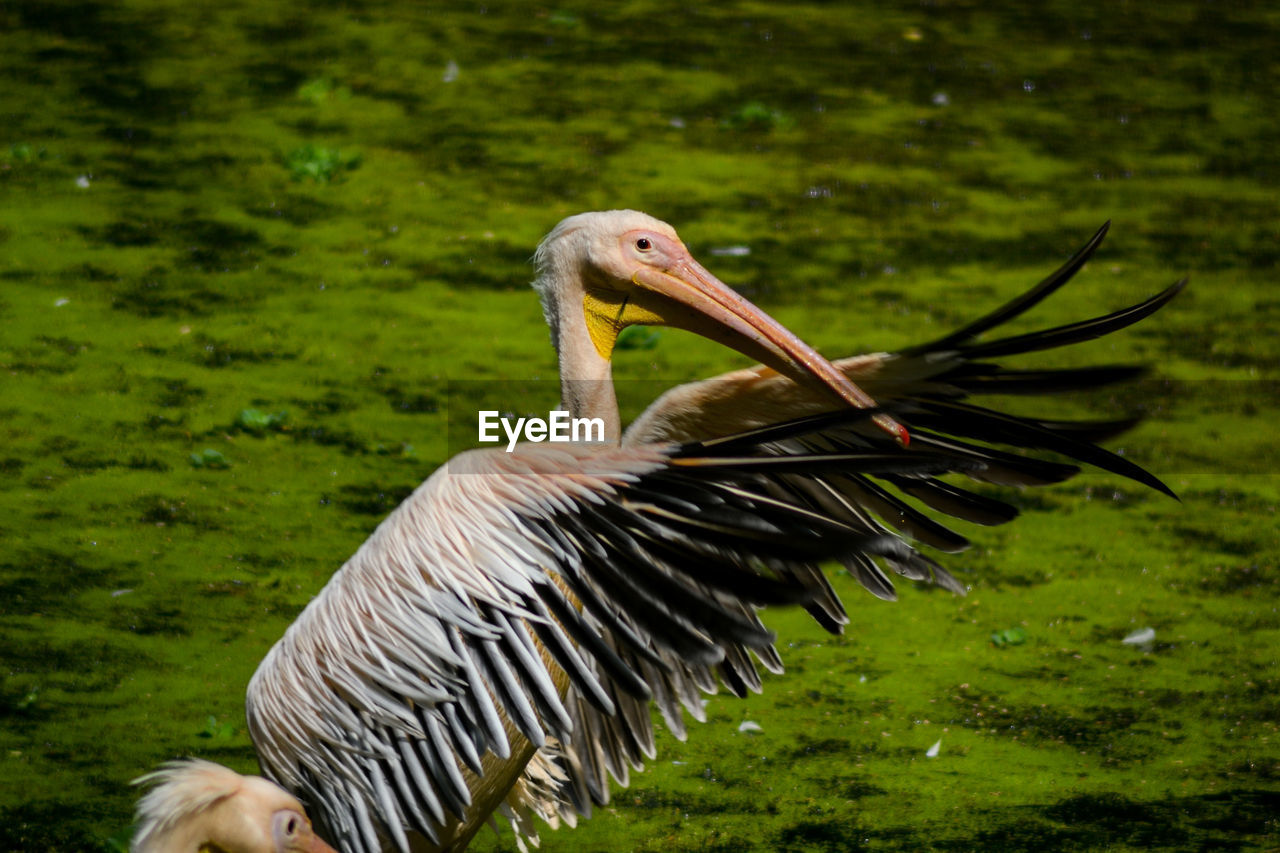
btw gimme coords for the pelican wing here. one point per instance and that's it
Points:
(540, 600)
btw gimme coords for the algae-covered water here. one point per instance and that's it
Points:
(247, 249)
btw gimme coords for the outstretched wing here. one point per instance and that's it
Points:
(539, 601)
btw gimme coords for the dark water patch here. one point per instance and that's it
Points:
(1249, 620)
(129, 233)
(281, 31)
(924, 247)
(157, 296)
(75, 20)
(219, 246)
(199, 242)
(142, 462)
(124, 89)
(409, 402)
(90, 272)
(63, 343)
(55, 825)
(260, 564)
(1166, 697)
(151, 621)
(476, 264)
(163, 511)
(1210, 535)
(129, 135)
(1210, 821)
(162, 168)
(34, 368)
(857, 789)
(808, 746)
(58, 444)
(176, 393)
(330, 403)
(1219, 339)
(89, 460)
(213, 352)
(345, 440)
(1218, 821)
(372, 498)
(688, 802)
(1237, 578)
(1008, 577)
(22, 701)
(45, 579)
(1256, 158)
(1196, 245)
(77, 666)
(827, 698)
(53, 355)
(834, 834)
(165, 426)
(1114, 734)
(272, 79)
(233, 588)
(1043, 673)
(1264, 768)
(295, 208)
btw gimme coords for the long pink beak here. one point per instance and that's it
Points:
(695, 300)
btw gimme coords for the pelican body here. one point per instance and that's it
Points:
(498, 642)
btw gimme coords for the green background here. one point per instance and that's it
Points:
(248, 252)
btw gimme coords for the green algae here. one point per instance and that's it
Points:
(872, 175)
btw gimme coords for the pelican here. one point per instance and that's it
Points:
(496, 645)
(201, 806)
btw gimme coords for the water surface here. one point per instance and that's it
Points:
(246, 251)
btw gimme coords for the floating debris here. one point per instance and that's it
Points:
(1009, 637)
(209, 458)
(258, 422)
(1143, 638)
(932, 752)
(749, 727)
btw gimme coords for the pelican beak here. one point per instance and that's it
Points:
(687, 296)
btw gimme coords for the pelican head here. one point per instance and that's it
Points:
(197, 807)
(598, 273)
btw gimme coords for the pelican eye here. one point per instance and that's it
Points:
(644, 244)
(288, 828)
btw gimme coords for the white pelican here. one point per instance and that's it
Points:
(201, 806)
(496, 643)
